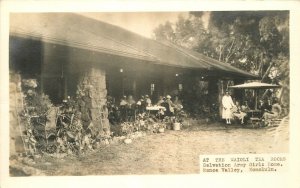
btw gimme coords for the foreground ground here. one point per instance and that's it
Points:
(172, 152)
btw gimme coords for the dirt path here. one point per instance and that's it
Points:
(172, 152)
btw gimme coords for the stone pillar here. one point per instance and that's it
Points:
(92, 89)
(15, 108)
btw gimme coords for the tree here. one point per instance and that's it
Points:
(255, 41)
(164, 32)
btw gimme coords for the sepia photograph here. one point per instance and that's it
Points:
(145, 93)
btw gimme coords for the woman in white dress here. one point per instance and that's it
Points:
(227, 106)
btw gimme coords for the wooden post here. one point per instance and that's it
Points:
(134, 87)
(213, 90)
(238, 93)
(220, 96)
(256, 96)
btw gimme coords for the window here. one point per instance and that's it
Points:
(180, 87)
(152, 88)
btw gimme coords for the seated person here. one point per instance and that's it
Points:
(245, 107)
(141, 105)
(130, 107)
(123, 101)
(263, 106)
(168, 104)
(274, 113)
(147, 100)
(130, 102)
(123, 104)
(238, 112)
(160, 101)
(269, 104)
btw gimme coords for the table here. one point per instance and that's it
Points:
(155, 108)
(253, 112)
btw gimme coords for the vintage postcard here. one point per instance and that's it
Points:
(113, 93)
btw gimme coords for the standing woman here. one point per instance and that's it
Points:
(227, 105)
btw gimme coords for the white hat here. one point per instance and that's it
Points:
(169, 97)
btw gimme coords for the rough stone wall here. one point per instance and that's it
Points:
(92, 101)
(15, 108)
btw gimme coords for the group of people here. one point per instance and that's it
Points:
(233, 110)
(129, 107)
(268, 110)
(170, 107)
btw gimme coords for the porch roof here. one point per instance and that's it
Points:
(77, 31)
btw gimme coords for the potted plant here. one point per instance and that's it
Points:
(161, 127)
(178, 119)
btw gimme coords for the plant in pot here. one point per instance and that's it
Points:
(178, 119)
(161, 127)
(176, 124)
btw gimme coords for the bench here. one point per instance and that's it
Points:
(275, 122)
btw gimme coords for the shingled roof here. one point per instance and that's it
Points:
(77, 31)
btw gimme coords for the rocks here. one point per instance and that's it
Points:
(25, 171)
(22, 166)
(96, 145)
(127, 141)
(28, 161)
(59, 155)
(139, 134)
(112, 141)
(161, 130)
(132, 136)
(47, 163)
(37, 156)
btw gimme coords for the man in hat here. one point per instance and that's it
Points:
(170, 106)
(227, 104)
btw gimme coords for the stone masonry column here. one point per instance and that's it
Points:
(15, 108)
(92, 86)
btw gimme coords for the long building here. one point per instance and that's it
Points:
(67, 51)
